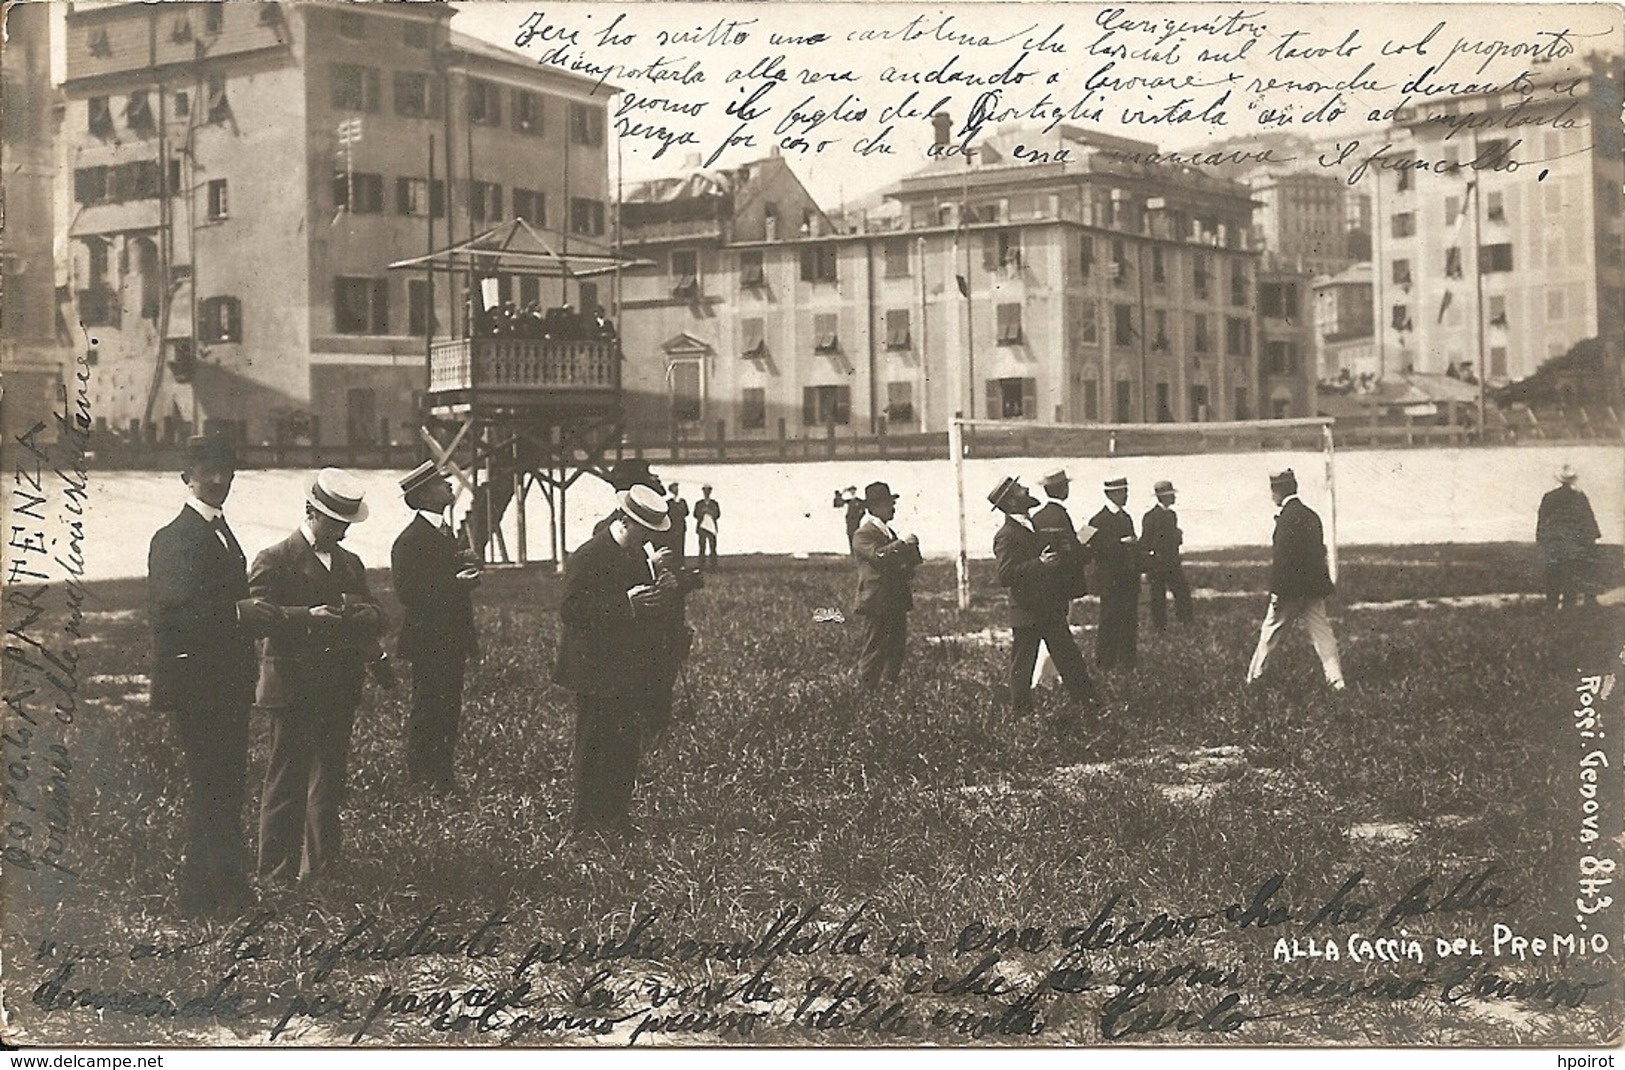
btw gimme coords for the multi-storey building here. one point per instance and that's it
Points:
(33, 345)
(1302, 218)
(244, 173)
(1073, 279)
(1497, 232)
(1345, 342)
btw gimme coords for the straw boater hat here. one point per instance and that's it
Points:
(423, 474)
(336, 493)
(1117, 483)
(1002, 491)
(644, 507)
(1163, 486)
(1567, 474)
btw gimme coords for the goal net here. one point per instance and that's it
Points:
(1220, 472)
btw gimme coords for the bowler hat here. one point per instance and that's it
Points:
(1002, 491)
(337, 494)
(643, 506)
(422, 475)
(1117, 483)
(875, 493)
(211, 449)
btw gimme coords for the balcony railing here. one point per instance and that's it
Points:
(523, 364)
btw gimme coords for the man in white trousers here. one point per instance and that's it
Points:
(1300, 582)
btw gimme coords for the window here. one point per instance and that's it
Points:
(220, 320)
(138, 114)
(1452, 262)
(1238, 336)
(1200, 274)
(753, 408)
(1119, 260)
(1088, 324)
(1403, 224)
(1243, 404)
(1498, 310)
(1238, 283)
(530, 205)
(527, 112)
(897, 260)
(1123, 326)
(417, 95)
(753, 338)
(218, 204)
(1165, 405)
(1012, 399)
(1407, 173)
(1452, 209)
(420, 197)
(1278, 300)
(99, 118)
(361, 306)
(1493, 259)
(1009, 324)
(420, 317)
(751, 272)
(1124, 399)
(826, 333)
(1091, 399)
(214, 17)
(686, 396)
(1280, 408)
(355, 88)
(822, 406)
(1493, 151)
(361, 193)
(1400, 317)
(361, 416)
(586, 125)
(351, 26)
(1159, 270)
(90, 185)
(1199, 403)
(1086, 256)
(1001, 250)
(1402, 272)
(484, 103)
(586, 216)
(219, 107)
(1282, 358)
(183, 104)
(1159, 337)
(818, 263)
(900, 403)
(484, 201)
(897, 333)
(1202, 339)
(685, 273)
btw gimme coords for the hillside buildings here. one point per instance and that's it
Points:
(242, 175)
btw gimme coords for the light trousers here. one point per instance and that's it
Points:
(1312, 611)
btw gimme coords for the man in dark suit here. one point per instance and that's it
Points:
(1300, 582)
(312, 669)
(434, 579)
(706, 515)
(677, 536)
(1117, 557)
(1033, 573)
(613, 614)
(1164, 571)
(849, 501)
(1566, 532)
(203, 627)
(886, 567)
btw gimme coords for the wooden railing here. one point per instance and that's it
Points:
(509, 364)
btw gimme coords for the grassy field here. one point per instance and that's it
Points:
(939, 871)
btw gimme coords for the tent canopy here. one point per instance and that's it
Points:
(518, 248)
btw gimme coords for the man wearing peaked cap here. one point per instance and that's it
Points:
(1164, 570)
(614, 618)
(1300, 581)
(1117, 559)
(707, 514)
(1566, 533)
(886, 565)
(434, 579)
(312, 670)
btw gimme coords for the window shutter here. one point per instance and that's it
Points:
(995, 400)
(807, 263)
(1029, 398)
(809, 406)
(843, 404)
(990, 251)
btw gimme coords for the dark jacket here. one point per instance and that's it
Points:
(677, 509)
(1036, 598)
(854, 513)
(200, 654)
(1566, 527)
(1299, 568)
(307, 660)
(1054, 525)
(438, 618)
(885, 572)
(1118, 561)
(1160, 539)
(706, 507)
(605, 646)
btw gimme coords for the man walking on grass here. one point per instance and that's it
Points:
(1164, 571)
(1300, 582)
(1117, 557)
(886, 567)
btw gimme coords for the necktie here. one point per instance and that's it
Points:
(220, 530)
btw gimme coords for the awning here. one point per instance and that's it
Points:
(520, 249)
(114, 218)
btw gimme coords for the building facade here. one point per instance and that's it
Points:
(243, 176)
(1344, 328)
(1084, 286)
(1303, 218)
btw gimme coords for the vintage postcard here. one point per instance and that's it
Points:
(1038, 525)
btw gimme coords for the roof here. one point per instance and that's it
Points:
(522, 249)
(474, 46)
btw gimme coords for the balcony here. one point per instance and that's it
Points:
(530, 374)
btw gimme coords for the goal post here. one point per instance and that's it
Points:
(1018, 441)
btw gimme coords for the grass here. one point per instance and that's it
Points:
(930, 815)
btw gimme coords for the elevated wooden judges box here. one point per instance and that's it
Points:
(546, 380)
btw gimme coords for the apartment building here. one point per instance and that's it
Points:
(1344, 327)
(1497, 233)
(1303, 217)
(244, 173)
(1064, 278)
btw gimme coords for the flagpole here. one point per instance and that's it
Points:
(1478, 287)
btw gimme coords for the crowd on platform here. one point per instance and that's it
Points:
(561, 323)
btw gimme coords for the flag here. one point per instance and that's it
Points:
(1448, 294)
(964, 285)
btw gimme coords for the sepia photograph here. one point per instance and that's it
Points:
(622, 525)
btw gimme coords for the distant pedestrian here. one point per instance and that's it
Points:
(1164, 570)
(706, 515)
(1566, 532)
(1117, 558)
(677, 509)
(1300, 581)
(886, 565)
(1033, 574)
(848, 500)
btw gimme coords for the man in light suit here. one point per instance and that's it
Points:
(886, 567)
(203, 628)
(434, 579)
(1034, 574)
(1300, 582)
(312, 669)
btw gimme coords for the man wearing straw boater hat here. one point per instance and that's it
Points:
(312, 668)
(886, 565)
(1300, 581)
(1034, 574)
(1566, 532)
(434, 578)
(203, 627)
(1117, 558)
(1164, 570)
(614, 616)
